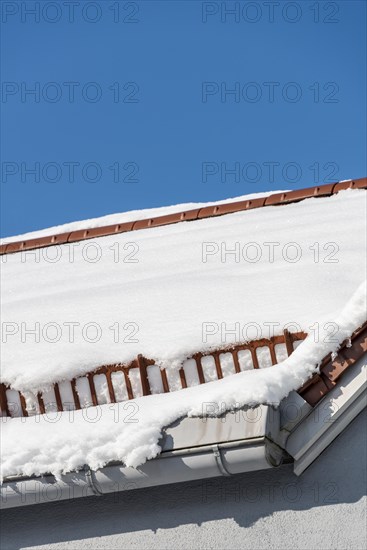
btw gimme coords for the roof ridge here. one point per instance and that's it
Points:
(275, 199)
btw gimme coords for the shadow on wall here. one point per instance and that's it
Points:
(338, 476)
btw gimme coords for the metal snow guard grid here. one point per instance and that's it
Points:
(14, 403)
(188, 215)
(124, 382)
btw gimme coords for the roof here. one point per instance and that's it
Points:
(169, 292)
(176, 290)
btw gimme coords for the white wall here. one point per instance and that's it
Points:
(324, 508)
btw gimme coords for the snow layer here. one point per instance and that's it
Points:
(159, 297)
(130, 431)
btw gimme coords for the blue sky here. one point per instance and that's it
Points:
(151, 103)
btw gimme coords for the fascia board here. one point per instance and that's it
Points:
(246, 423)
(335, 429)
(334, 412)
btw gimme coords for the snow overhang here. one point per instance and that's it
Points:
(192, 448)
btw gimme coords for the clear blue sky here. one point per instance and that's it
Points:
(132, 105)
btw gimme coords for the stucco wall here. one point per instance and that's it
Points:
(324, 508)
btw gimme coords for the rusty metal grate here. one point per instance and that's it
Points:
(124, 382)
(119, 382)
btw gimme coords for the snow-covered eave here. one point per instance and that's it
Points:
(193, 448)
(247, 440)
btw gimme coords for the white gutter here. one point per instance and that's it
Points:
(250, 449)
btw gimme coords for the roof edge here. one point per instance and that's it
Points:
(187, 215)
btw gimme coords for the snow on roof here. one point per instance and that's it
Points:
(129, 432)
(168, 292)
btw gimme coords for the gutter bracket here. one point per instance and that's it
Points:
(219, 460)
(91, 481)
